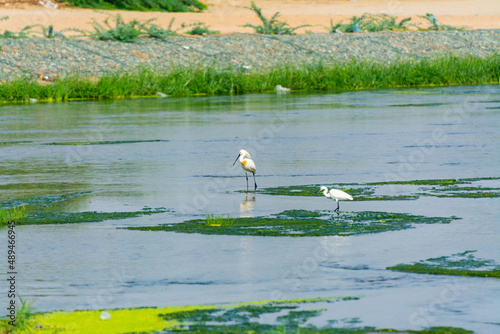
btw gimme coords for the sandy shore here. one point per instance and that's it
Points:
(229, 16)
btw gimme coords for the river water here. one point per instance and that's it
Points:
(294, 139)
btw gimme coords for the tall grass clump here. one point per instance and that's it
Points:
(14, 214)
(214, 220)
(213, 80)
(23, 323)
(141, 5)
(270, 26)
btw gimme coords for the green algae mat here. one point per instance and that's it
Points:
(282, 316)
(384, 191)
(102, 142)
(461, 264)
(301, 223)
(107, 142)
(46, 210)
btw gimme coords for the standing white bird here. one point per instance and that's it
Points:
(247, 164)
(335, 194)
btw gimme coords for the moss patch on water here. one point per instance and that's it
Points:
(43, 210)
(371, 191)
(303, 223)
(437, 182)
(17, 142)
(108, 142)
(359, 192)
(282, 316)
(462, 264)
(38, 218)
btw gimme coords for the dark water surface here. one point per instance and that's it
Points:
(364, 136)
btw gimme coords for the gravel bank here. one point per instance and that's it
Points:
(93, 58)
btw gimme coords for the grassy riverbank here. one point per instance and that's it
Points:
(213, 80)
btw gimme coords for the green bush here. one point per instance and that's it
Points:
(141, 5)
(272, 26)
(122, 32)
(370, 23)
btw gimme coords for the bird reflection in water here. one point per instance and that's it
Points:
(247, 205)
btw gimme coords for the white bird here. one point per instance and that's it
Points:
(247, 164)
(281, 90)
(335, 194)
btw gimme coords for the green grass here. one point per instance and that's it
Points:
(302, 223)
(141, 5)
(213, 80)
(270, 26)
(14, 214)
(213, 220)
(461, 264)
(24, 322)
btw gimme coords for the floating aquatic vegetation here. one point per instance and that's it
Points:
(303, 223)
(372, 191)
(282, 316)
(108, 142)
(466, 192)
(357, 191)
(40, 202)
(437, 182)
(82, 217)
(463, 264)
(40, 210)
(5, 143)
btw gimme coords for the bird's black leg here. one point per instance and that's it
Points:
(255, 183)
(338, 207)
(246, 175)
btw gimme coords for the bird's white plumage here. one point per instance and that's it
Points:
(337, 195)
(247, 164)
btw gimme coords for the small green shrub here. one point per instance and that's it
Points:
(199, 29)
(272, 26)
(370, 23)
(435, 25)
(155, 31)
(122, 32)
(24, 33)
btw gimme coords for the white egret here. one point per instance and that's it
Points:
(247, 164)
(337, 195)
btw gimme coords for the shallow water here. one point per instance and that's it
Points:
(364, 136)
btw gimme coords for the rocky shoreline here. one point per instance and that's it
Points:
(55, 57)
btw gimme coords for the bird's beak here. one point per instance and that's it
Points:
(236, 159)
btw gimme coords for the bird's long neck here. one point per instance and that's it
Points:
(325, 192)
(243, 161)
